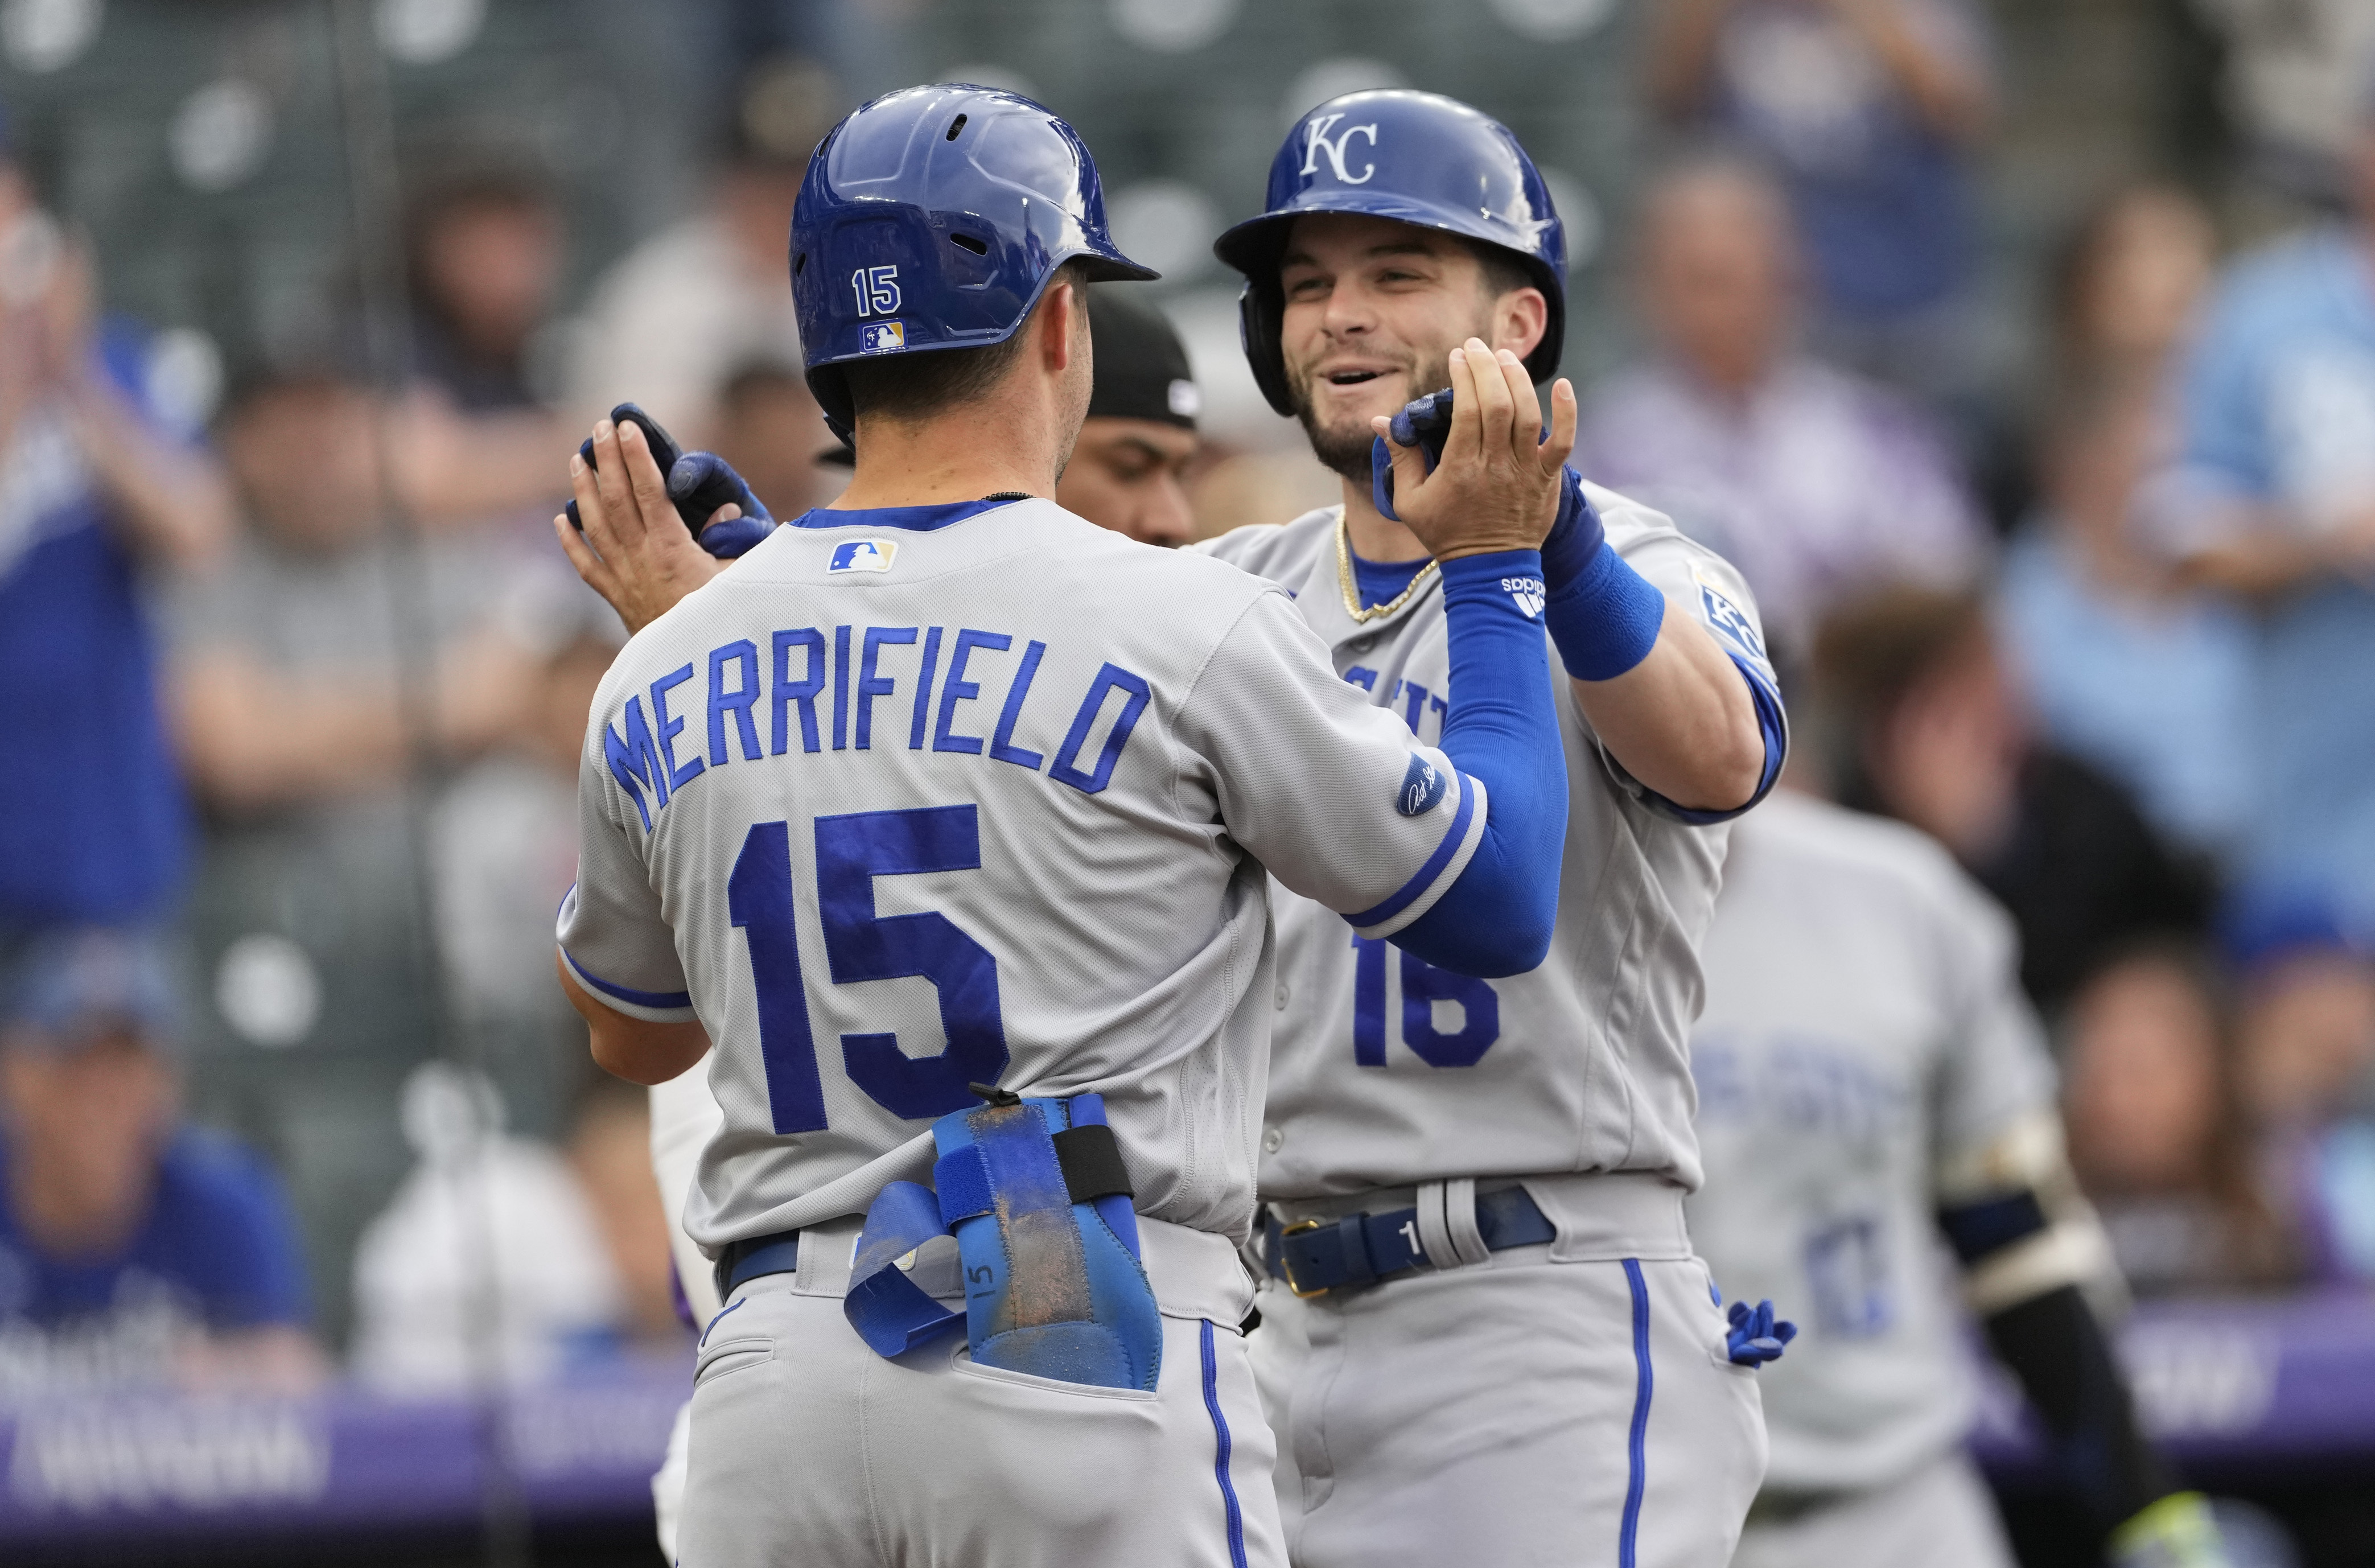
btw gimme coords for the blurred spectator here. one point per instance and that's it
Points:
(505, 842)
(92, 487)
(676, 315)
(484, 246)
(768, 428)
(1814, 482)
(1926, 728)
(2273, 498)
(1868, 109)
(288, 661)
(2156, 1127)
(310, 675)
(2294, 72)
(502, 1258)
(132, 1248)
(2308, 1033)
(1126, 469)
(2145, 681)
(2126, 287)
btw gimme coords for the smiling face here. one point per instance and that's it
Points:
(1374, 309)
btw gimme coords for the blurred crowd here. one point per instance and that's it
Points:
(292, 687)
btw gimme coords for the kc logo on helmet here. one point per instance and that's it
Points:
(1318, 143)
(863, 555)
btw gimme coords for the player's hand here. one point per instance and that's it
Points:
(2179, 1531)
(1496, 487)
(634, 551)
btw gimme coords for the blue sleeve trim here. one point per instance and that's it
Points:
(1771, 723)
(1424, 876)
(624, 992)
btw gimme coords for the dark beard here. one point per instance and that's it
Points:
(1346, 453)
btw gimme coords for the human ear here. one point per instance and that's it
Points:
(1520, 319)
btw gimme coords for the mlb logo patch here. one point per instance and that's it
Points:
(863, 555)
(882, 336)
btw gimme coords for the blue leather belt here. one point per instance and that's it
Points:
(1316, 1256)
(743, 1261)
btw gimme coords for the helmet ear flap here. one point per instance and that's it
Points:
(1259, 312)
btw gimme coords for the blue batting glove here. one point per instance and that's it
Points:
(1426, 422)
(700, 482)
(1757, 1336)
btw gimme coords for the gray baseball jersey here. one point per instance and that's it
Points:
(1864, 1031)
(1389, 1071)
(951, 795)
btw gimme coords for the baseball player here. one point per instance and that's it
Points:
(1871, 1085)
(1124, 475)
(1485, 1336)
(950, 819)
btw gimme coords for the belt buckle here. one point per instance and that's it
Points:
(1286, 1263)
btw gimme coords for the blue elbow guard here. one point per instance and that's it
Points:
(1035, 1194)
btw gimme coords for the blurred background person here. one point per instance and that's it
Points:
(1919, 722)
(134, 1248)
(503, 848)
(2306, 1030)
(2123, 294)
(96, 492)
(504, 1258)
(1129, 468)
(2271, 498)
(1871, 111)
(484, 245)
(672, 318)
(1815, 482)
(470, 441)
(768, 430)
(2157, 1128)
(2122, 665)
(310, 674)
(1873, 1093)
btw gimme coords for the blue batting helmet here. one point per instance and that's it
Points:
(1416, 158)
(932, 218)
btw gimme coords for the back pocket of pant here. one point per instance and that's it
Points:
(729, 1356)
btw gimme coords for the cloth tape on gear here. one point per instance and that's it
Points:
(1053, 1282)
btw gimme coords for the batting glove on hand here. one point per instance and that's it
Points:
(1426, 422)
(699, 483)
(2179, 1531)
(1757, 1336)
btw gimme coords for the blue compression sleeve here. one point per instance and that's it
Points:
(1495, 918)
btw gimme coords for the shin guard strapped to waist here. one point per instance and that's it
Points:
(1037, 1194)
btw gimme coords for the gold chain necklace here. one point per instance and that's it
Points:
(1350, 584)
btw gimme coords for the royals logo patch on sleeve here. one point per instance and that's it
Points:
(1729, 621)
(1423, 788)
